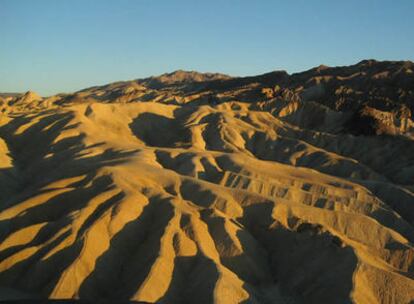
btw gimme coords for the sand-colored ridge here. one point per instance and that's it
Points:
(205, 188)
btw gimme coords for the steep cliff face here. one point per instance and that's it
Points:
(269, 189)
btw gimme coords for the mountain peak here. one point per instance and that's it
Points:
(30, 96)
(182, 76)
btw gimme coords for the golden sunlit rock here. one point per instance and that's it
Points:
(201, 188)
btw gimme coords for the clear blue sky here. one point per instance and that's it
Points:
(52, 46)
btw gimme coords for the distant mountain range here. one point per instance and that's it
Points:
(377, 96)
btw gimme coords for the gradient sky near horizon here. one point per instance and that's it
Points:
(52, 46)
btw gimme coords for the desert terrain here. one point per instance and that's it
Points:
(206, 188)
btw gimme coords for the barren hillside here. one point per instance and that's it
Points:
(192, 187)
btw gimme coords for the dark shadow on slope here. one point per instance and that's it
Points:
(99, 211)
(44, 234)
(361, 123)
(120, 271)
(194, 276)
(21, 274)
(183, 164)
(242, 263)
(307, 262)
(194, 279)
(58, 206)
(48, 271)
(58, 219)
(159, 131)
(194, 192)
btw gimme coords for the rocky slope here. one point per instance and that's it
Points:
(269, 189)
